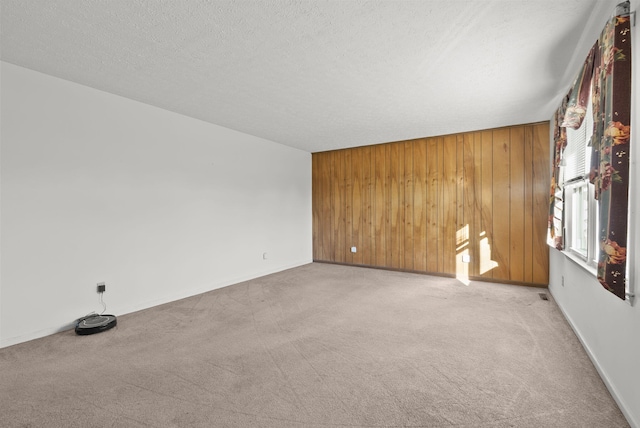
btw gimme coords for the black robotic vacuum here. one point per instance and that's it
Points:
(95, 323)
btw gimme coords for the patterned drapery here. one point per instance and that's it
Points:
(554, 237)
(611, 97)
(570, 114)
(579, 94)
(607, 72)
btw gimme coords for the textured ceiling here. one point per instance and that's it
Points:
(316, 75)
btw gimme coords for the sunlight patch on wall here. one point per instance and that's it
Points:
(486, 264)
(462, 250)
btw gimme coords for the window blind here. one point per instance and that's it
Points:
(577, 156)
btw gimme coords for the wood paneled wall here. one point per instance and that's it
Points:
(421, 205)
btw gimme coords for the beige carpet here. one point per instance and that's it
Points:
(317, 346)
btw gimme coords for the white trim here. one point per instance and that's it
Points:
(5, 342)
(588, 260)
(624, 408)
(580, 262)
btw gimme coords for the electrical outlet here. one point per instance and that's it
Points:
(563, 280)
(264, 256)
(102, 287)
(354, 249)
(466, 258)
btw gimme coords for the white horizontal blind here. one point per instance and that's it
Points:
(577, 156)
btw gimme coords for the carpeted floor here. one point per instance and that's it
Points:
(317, 346)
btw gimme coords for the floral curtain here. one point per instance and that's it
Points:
(570, 114)
(579, 94)
(611, 97)
(607, 72)
(554, 237)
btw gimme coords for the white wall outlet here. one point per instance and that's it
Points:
(353, 249)
(264, 256)
(466, 258)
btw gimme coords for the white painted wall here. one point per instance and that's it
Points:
(96, 187)
(608, 327)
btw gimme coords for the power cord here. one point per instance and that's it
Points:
(104, 305)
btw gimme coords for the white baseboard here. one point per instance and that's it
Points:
(34, 335)
(221, 283)
(5, 342)
(603, 374)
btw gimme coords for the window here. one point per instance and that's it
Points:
(581, 207)
(581, 221)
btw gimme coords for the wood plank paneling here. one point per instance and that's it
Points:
(449, 204)
(476, 229)
(420, 205)
(316, 193)
(380, 207)
(541, 178)
(397, 206)
(356, 205)
(420, 221)
(324, 160)
(408, 209)
(461, 242)
(340, 225)
(528, 205)
(387, 208)
(434, 165)
(487, 258)
(501, 184)
(516, 204)
(441, 223)
(336, 204)
(469, 246)
(367, 208)
(347, 220)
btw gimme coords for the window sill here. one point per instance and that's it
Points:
(580, 262)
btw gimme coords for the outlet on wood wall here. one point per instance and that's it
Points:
(421, 205)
